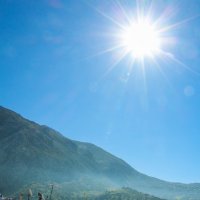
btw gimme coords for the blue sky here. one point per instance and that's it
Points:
(50, 73)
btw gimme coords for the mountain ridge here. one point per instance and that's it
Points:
(40, 154)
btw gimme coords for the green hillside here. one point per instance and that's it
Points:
(31, 153)
(113, 194)
(125, 194)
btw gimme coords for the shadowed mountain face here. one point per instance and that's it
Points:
(33, 153)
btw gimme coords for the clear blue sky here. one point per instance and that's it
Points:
(49, 74)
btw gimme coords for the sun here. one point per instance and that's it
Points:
(140, 36)
(141, 39)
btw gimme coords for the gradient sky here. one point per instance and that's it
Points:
(50, 73)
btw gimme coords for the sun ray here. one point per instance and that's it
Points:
(170, 56)
(116, 62)
(130, 67)
(124, 12)
(143, 75)
(110, 18)
(107, 50)
(162, 73)
(172, 26)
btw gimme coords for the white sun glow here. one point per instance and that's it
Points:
(141, 36)
(141, 39)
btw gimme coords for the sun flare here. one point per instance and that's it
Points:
(141, 39)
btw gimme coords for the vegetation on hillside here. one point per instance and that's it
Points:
(31, 153)
(112, 194)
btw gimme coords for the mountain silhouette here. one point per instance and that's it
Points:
(32, 153)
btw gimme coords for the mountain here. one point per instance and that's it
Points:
(32, 153)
